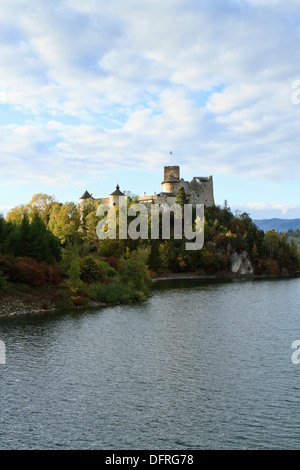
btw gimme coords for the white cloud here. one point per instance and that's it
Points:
(263, 206)
(210, 80)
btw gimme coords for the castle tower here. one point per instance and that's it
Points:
(114, 197)
(171, 179)
(83, 201)
(84, 198)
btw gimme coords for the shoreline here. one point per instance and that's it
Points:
(225, 276)
(32, 310)
(12, 306)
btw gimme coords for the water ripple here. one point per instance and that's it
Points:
(199, 366)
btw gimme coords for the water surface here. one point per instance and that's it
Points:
(201, 365)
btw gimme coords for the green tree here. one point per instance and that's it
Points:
(40, 249)
(238, 226)
(42, 204)
(271, 243)
(134, 269)
(181, 197)
(74, 280)
(25, 240)
(15, 215)
(90, 235)
(64, 222)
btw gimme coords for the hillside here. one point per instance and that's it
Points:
(279, 225)
(51, 258)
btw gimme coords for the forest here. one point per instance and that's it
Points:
(49, 247)
(293, 237)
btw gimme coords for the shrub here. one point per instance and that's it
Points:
(80, 301)
(64, 304)
(116, 293)
(208, 259)
(93, 269)
(53, 273)
(134, 270)
(89, 270)
(28, 271)
(112, 261)
(271, 266)
(3, 282)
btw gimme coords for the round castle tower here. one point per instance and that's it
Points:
(114, 197)
(171, 179)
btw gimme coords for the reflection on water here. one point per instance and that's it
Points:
(201, 365)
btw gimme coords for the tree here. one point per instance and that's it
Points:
(40, 249)
(271, 243)
(90, 235)
(15, 215)
(42, 203)
(74, 272)
(25, 236)
(4, 231)
(134, 269)
(181, 197)
(64, 222)
(237, 226)
(164, 255)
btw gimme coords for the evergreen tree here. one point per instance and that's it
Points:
(25, 241)
(90, 235)
(181, 197)
(12, 244)
(4, 230)
(40, 249)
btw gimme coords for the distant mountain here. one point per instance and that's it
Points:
(279, 225)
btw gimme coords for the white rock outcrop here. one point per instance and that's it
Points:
(241, 264)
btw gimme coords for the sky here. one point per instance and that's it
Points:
(96, 92)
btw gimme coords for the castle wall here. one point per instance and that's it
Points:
(199, 191)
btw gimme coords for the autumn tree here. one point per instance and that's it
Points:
(64, 222)
(15, 215)
(42, 204)
(271, 243)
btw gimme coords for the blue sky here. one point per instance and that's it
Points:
(97, 93)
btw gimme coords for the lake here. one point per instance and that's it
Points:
(200, 365)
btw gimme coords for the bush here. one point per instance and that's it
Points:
(93, 269)
(271, 266)
(28, 271)
(116, 293)
(80, 301)
(112, 261)
(3, 282)
(25, 270)
(64, 304)
(89, 270)
(52, 273)
(134, 269)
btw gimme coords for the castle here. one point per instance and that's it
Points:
(198, 191)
